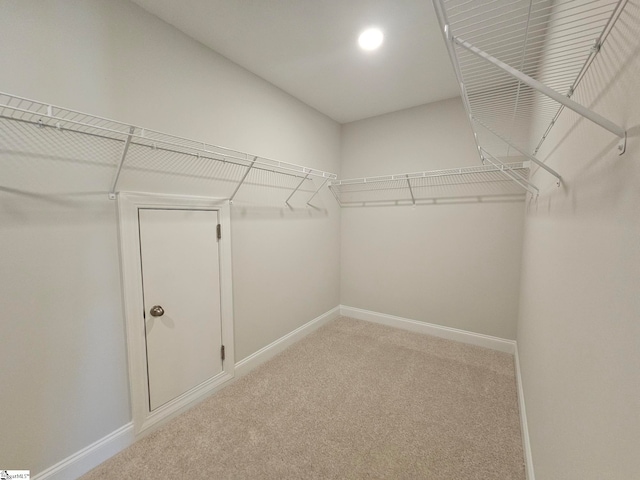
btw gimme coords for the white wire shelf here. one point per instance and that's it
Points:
(29, 127)
(519, 62)
(413, 188)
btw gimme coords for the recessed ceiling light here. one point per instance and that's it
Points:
(370, 39)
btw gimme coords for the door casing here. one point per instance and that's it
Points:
(128, 205)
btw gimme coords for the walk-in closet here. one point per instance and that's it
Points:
(320, 239)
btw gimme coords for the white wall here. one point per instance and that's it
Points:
(455, 262)
(579, 328)
(63, 376)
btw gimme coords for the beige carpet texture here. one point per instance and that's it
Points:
(352, 400)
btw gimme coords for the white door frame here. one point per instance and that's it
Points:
(128, 205)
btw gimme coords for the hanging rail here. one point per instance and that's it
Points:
(519, 62)
(404, 186)
(50, 116)
(549, 92)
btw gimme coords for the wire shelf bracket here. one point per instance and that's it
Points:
(518, 63)
(413, 197)
(244, 177)
(317, 191)
(125, 149)
(528, 155)
(286, 202)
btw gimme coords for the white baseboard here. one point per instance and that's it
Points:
(524, 427)
(247, 364)
(463, 336)
(89, 457)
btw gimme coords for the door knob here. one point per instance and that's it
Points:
(156, 311)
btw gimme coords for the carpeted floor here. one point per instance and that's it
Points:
(352, 400)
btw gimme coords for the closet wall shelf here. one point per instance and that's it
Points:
(493, 179)
(519, 62)
(46, 116)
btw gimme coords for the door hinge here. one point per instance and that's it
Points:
(222, 352)
(219, 231)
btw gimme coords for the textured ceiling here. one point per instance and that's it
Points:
(308, 48)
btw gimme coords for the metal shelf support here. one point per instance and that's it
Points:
(549, 92)
(413, 198)
(125, 149)
(317, 191)
(529, 156)
(296, 189)
(244, 177)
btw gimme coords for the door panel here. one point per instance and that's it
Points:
(181, 273)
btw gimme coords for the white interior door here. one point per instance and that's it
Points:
(181, 276)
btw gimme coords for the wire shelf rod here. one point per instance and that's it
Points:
(585, 112)
(155, 147)
(296, 189)
(476, 180)
(419, 175)
(226, 157)
(317, 191)
(43, 109)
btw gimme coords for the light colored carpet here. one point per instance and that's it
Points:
(352, 400)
